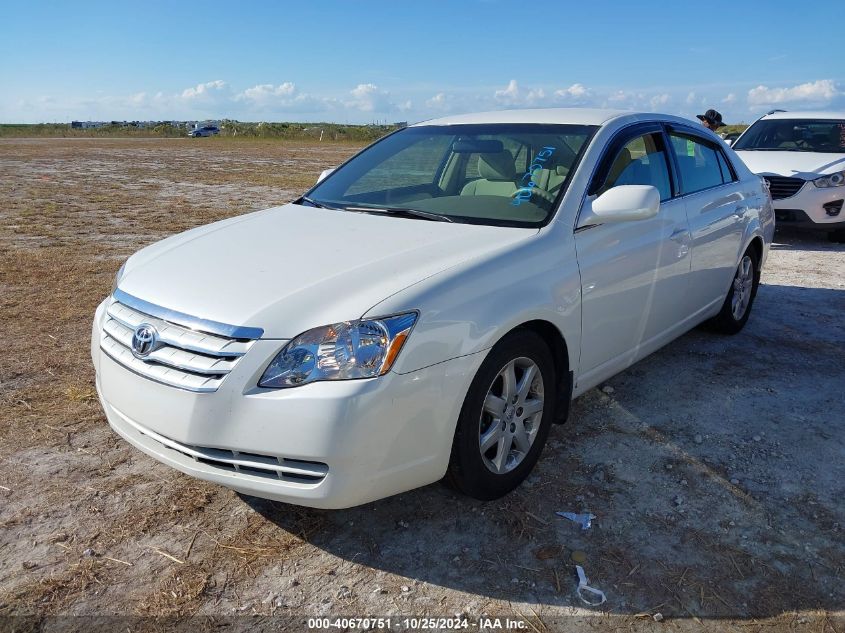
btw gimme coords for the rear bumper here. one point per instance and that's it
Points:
(331, 444)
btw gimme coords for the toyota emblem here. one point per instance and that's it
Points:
(144, 340)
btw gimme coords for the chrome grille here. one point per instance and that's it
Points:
(783, 187)
(186, 358)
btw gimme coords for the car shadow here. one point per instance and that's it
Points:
(791, 239)
(714, 469)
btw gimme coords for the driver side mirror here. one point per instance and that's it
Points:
(323, 174)
(623, 203)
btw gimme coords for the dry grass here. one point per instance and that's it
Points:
(73, 209)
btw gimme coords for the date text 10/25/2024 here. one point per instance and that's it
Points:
(421, 624)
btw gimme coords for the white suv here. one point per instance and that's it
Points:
(802, 156)
(431, 306)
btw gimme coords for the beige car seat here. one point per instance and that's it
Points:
(498, 176)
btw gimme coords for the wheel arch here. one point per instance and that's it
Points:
(756, 244)
(556, 343)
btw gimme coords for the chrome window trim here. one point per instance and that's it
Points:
(186, 320)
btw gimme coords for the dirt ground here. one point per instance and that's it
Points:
(715, 468)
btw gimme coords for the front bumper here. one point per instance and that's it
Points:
(812, 207)
(335, 444)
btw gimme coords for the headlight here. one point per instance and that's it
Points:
(831, 180)
(118, 277)
(341, 351)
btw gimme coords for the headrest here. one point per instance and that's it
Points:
(497, 166)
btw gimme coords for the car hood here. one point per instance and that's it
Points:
(291, 268)
(806, 165)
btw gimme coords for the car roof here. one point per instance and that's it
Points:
(808, 114)
(559, 116)
(573, 116)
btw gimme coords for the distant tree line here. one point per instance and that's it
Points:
(228, 129)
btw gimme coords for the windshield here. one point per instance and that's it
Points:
(795, 135)
(507, 175)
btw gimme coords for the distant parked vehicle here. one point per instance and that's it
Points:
(802, 156)
(730, 137)
(206, 130)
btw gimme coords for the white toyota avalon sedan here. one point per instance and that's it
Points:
(431, 306)
(802, 156)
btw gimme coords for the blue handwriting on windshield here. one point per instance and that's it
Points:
(527, 184)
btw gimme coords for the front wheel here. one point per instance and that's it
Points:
(737, 306)
(505, 419)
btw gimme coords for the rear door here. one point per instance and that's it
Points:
(634, 275)
(716, 208)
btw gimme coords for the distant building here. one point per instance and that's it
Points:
(87, 125)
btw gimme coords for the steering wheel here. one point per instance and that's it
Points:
(545, 196)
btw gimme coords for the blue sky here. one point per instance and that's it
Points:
(359, 62)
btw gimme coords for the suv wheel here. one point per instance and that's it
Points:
(505, 419)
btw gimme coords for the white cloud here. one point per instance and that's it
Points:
(440, 101)
(281, 100)
(658, 101)
(370, 98)
(509, 94)
(514, 96)
(576, 94)
(620, 96)
(286, 101)
(268, 93)
(820, 92)
(208, 91)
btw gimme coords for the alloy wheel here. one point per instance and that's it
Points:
(511, 415)
(743, 286)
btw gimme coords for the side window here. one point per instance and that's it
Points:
(642, 161)
(727, 172)
(698, 163)
(413, 166)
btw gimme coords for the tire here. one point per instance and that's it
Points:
(492, 473)
(737, 306)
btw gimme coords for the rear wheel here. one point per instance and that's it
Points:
(737, 306)
(505, 418)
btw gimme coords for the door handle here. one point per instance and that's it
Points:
(681, 236)
(740, 211)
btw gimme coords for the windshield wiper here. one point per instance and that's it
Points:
(314, 203)
(412, 213)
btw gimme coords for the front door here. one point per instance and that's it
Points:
(634, 275)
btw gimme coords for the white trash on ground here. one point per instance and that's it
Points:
(586, 520)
